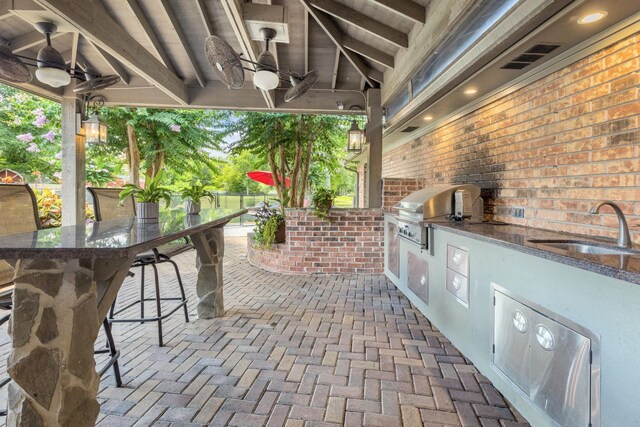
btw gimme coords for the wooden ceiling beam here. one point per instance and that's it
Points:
(368, 52)
(151, 35)
(362, 21)
(97, 26)
(406, 8)
(113, 64)
(336, 63)
(201, 8)
(234, 11)
(5, 12)
(168, 10)
(306, 42)
(334, 33)
(30, 40)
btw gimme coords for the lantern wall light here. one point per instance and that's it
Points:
(355, 135)
(95, 130)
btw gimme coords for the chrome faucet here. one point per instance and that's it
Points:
(624, 238)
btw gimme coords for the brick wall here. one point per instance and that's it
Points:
(395, 189)
(351, 242)
(554, 147)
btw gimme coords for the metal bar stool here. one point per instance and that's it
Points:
(107, 206)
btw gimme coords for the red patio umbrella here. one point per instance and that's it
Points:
(264, 177)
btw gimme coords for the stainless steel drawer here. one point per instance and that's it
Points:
(418, 276)
(458, 260)
(458, 285)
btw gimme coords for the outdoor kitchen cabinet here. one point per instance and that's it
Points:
(547, 360)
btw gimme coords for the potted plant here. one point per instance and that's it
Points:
(147, 198)
(269, 227)
(322, 201)
(192, 196)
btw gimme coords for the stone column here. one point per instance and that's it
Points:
(54, 326)
(209, 245)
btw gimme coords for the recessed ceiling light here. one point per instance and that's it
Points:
(428, 118)
(592, 17)
(470, 91)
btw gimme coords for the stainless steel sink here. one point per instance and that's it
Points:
(584, 247)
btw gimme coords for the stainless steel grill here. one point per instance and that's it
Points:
(439, 203)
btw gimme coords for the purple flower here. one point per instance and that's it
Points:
(33, 148)
(38, 112)
(175, 128)
(25, 137)
(49, 136)
(59, 155)
(40, 121)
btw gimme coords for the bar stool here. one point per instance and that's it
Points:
(107, 206)
(20, 215)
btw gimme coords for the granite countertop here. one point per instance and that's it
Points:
(123, 237)
(623, 267)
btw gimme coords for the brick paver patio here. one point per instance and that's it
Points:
(296, 351)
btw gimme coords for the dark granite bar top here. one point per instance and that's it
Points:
(623, 267)
(123, 237)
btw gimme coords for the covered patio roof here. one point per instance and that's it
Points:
(394, 60)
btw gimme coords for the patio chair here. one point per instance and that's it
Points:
(107, 206)
(20, 215)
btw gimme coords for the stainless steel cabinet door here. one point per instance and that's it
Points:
(418, 276)
(512, 340)
(393, 251)
(560, 371)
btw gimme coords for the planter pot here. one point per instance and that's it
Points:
(192, 207)
(148, 212)
(281, 233)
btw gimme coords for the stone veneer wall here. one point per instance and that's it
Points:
(350, 242)
(554, 147)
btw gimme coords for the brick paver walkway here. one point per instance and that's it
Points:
(296, 351)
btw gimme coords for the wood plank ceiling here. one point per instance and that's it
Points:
(157, 47)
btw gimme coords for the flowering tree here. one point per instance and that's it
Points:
(30, 140)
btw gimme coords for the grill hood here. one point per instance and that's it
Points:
(435, 202)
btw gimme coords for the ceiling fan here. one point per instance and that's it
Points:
(50, 66)
(227, 64)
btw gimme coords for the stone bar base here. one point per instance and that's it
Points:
(210, 247)
(54, 325)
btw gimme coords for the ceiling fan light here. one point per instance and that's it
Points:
(266, 80)
(54, 77)
(51, 68)
(266, 77)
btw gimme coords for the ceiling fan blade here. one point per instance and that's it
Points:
(300, 86)
(12, 68)
(224, 61)
(96, 83)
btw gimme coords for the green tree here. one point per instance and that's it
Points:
(290, 144)
(182, 139)
(233, 175)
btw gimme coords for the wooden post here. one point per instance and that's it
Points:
(374, 139)
(73, 165)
